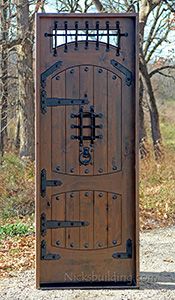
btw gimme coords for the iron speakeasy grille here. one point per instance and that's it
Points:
(107, 35)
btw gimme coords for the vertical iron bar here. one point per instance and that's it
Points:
(107, 28)
(92, 124)
(97, 29)
(118, 38)
(55, 38)
(65, 28)
(81, 125)
(87, 32)
(76, 35)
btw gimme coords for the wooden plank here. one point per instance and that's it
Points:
(90, 15)
(58, 213)
(100, 219)
(100, 105)
(58, 124)
(86, 214)
(114, 219)
(114, 123)
(72, 146)
(72, 214)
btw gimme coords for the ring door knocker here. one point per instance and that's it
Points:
(85, 156)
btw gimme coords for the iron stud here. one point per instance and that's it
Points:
(72, 170)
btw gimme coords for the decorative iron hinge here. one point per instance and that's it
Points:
(49, 71)
(45, 182)
(53, 224)
(45, 255)
(123, 70)
(48, 102)
(124, 255)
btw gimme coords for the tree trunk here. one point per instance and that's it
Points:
(142, 131)
(145, 9)
(17, 133)
(4, 72)
(26, 82)
(154, 115)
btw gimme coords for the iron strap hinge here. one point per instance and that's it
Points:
(48, 102)
(53, 224)
(52, 102)
(124, 255)
(121, 68)
(45, 182)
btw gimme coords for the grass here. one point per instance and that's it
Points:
(157, 188)
(16, 187)
(15, 229)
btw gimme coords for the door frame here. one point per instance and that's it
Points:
(54, 16)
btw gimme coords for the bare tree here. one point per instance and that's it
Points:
(73, 6)
(25, 79)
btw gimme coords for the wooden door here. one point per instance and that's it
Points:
(86, 150)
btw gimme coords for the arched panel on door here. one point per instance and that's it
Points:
(93, 220)
(87, 139)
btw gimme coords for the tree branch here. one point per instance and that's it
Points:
(160, 69)
(160, 41)
(166, 75)
(149, 37)
(99, 6)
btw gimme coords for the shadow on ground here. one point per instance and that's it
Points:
(162, 280)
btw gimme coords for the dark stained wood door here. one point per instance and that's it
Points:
(86, 150)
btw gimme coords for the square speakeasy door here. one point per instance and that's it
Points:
(86, 151)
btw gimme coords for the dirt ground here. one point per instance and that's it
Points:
(157, 253)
